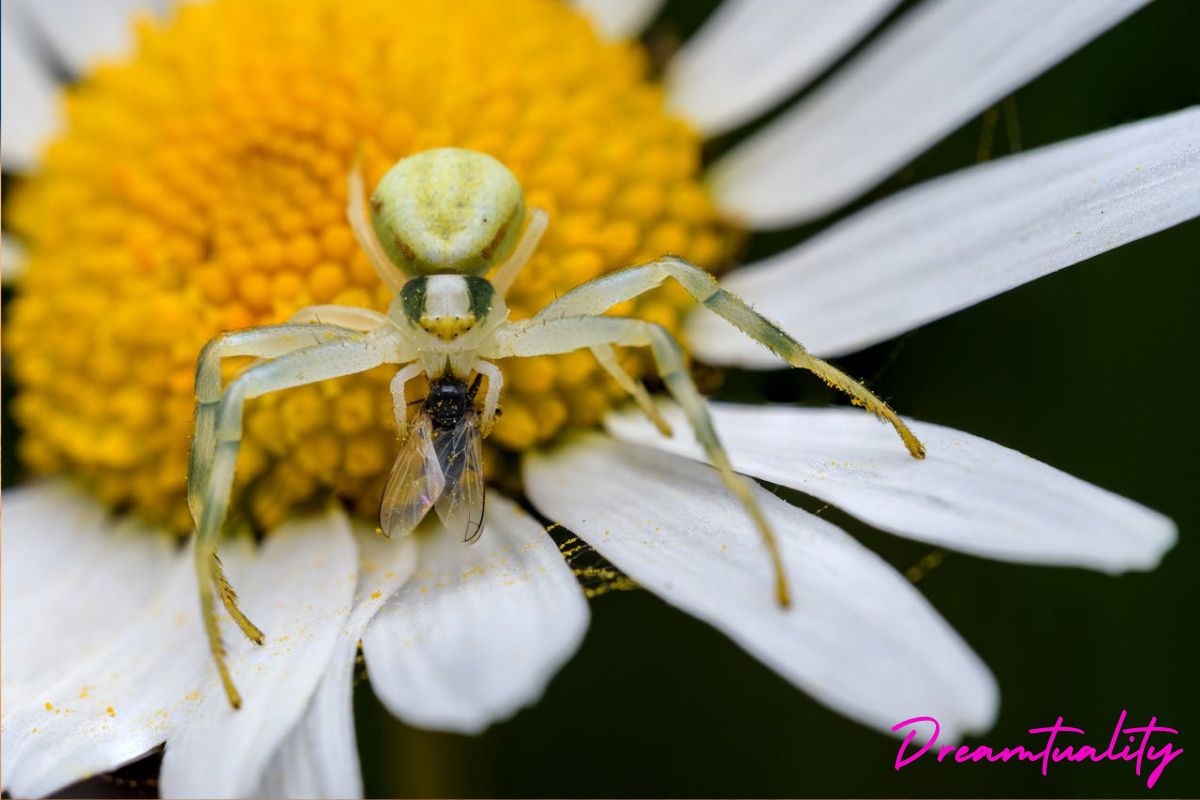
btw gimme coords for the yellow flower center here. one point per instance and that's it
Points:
(201, 186)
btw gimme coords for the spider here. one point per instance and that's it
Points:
(439, 221)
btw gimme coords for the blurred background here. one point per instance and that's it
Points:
(1091, 370)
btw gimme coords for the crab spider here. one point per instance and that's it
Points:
(438, 222)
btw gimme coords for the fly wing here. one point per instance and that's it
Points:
(415, 483)
(460, 453)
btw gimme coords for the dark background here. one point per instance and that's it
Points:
(1091, 370)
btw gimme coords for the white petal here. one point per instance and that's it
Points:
(83, 32)
(319, 758)
(112, 707)
(27, 94)
(751, 54)
(299, 591)
(858, 637)
(12, 260)
(940, 64)
(967, 494)
(480, 629)
(619, 19)
(957, 240)
(72, 579)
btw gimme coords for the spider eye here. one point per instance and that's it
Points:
(447, 211)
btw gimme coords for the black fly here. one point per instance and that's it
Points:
(440, 464)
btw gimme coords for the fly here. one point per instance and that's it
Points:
(440, 464)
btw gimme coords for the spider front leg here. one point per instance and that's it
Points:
(537, 337)
(599, 295)
(268, 341)
(265, 342)
(352, 317)
(345, 355)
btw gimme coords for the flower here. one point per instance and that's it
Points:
(429, 611)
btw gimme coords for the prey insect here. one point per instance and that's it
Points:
(437, 223)
(440, 465)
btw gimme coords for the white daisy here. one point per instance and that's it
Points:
(104, 657)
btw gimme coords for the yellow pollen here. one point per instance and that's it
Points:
(200, 187)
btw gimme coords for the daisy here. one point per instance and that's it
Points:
(198, 187)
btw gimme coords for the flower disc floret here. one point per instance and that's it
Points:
(200, 187)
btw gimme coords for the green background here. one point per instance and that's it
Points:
(1091, 370)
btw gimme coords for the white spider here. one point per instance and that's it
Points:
(439, 221)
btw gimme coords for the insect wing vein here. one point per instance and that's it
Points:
(460, 453)
(415, 483)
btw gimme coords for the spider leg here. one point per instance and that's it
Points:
(598, 295)
(491, 400)
(266, 342)
(352, 317)
(504, 275)
(360, 224)
(341, 356)
(399, 402)
(608, 359)
(537, 337)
